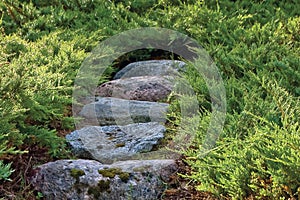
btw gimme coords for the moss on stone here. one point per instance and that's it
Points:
(79, 187)
(120, 145)
(124, 176)
(102, 186)
(76, 173)
(112, 172)
(111, 138)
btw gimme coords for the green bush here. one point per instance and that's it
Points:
(5, 171)
(255, 44)
(257, 155)
(265, 161)
(35, 92)
(38, 64)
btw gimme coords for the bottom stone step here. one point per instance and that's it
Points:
(110, 143)
(87, 179)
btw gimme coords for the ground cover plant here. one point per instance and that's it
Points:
(255, 44)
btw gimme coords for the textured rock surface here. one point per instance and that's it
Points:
(151, 68)
(138, 129)
(109, 143)
(111, 111)
(144, 88)
(86, 179)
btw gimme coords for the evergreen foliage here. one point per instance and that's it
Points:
(255, 45)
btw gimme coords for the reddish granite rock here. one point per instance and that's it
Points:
(143, 88)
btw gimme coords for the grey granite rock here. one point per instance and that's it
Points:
(151, 68)
(87, 179)
(143, 88)
(111, 111)
(110, 143)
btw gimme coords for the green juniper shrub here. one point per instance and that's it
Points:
(264, 162)
(255, 45)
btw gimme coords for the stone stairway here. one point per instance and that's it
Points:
(113, 164)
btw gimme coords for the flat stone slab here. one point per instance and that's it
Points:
(144, 88)
(110, 143)
(151, 68)
(87, 179)
(111, 111)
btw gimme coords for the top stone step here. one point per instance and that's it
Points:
(151, 68)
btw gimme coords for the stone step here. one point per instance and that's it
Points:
(111, 143)
(130, 126)
(111, 111)
(151, 68)
(144, 88)
(87, 179)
